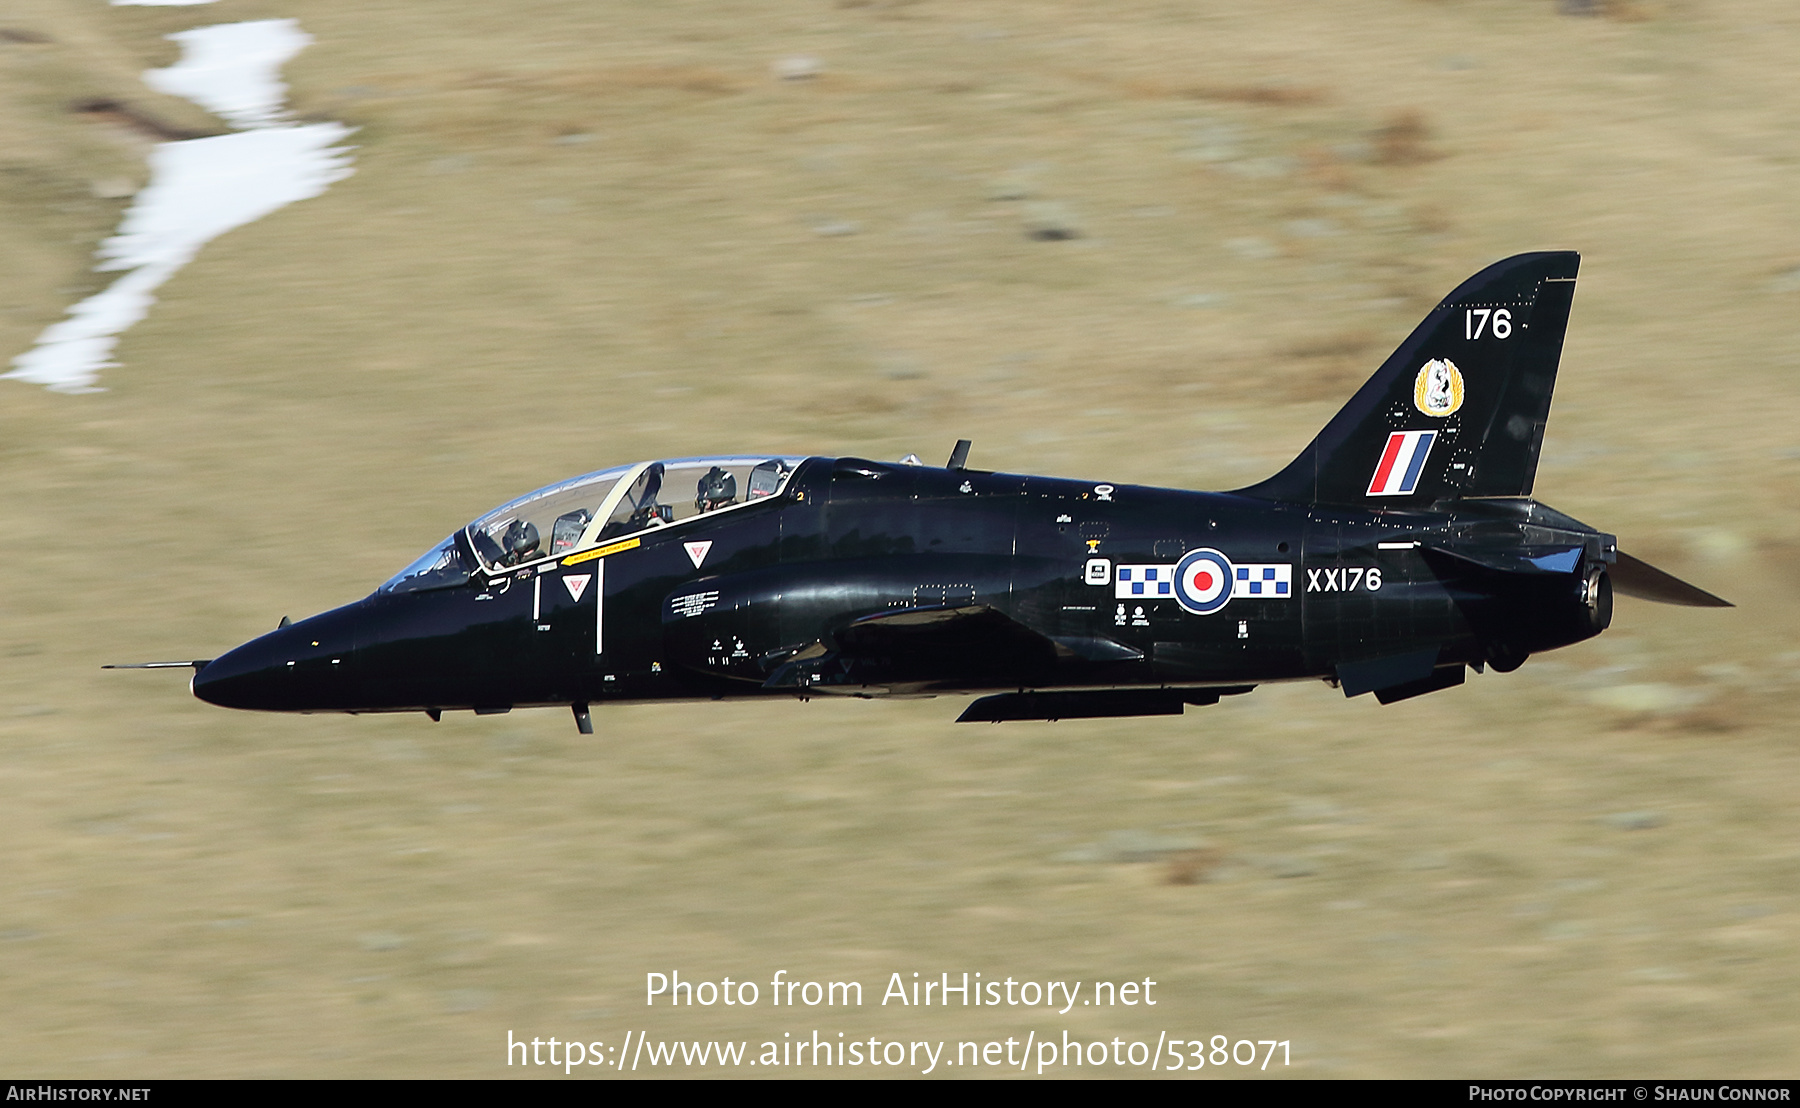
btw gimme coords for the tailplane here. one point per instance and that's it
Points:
(1459, 409)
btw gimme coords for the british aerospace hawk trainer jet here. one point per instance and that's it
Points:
(1401, 548)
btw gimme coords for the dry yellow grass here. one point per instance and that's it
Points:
(580, 234)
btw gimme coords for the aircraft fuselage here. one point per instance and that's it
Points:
(1035, 583)
(1400, 548)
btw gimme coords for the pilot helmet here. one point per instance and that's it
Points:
(521, 539)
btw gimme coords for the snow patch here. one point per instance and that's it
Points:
(233, 69)
(198, 189)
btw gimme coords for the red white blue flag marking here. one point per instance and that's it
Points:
(1397, 474)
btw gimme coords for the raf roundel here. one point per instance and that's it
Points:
(1203, 581)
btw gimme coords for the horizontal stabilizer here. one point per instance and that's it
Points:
(1644, 581)
(196, 665)
(1517, 559)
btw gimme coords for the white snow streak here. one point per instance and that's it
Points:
(232, 69)
(198, 189)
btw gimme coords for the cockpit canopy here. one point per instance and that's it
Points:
(597, 508)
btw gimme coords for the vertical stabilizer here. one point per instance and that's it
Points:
(1458, 409)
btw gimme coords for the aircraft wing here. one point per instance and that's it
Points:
(916, 647)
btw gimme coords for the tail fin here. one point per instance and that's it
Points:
(1459, 409)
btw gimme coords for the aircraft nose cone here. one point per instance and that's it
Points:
(251, 676)
(304, 666)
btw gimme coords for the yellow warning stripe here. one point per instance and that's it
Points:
(599, 552)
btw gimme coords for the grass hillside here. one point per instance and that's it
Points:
(1135, 242)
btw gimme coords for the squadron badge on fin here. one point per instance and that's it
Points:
(1438, 390)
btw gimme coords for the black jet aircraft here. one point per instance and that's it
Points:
(1400, 549)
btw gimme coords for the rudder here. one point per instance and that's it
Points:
(1458, 409)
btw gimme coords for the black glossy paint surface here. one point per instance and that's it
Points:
(856, 542)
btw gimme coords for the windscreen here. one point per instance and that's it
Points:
(440, 567)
